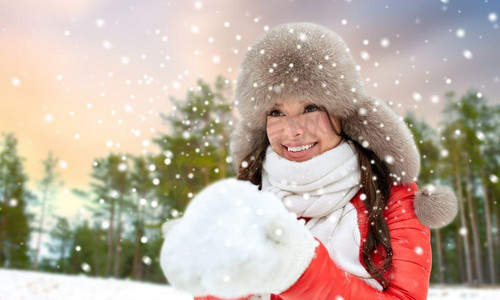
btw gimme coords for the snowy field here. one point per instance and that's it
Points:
(17, 285)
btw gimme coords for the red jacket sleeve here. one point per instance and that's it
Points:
(411, 262)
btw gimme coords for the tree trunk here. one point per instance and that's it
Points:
(110, 238)
(460, 261)
(206, 176)
(118, 247)
(496, 237)
(136, 267)
(40, 230)
(3, 227)
(475, 233)
(463, 222)
(63, 250)
(223, 153)
(440, 256)
(491, 260)
(97, 255)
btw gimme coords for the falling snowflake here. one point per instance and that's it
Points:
(100, 23)
(124, 60)
(467, 54)
(195, 29)
(107, 45)
(434, 98)
(198, 5)
(63, 164)
(86, 267)
(146, 260)
(365, 55)
(492, 17)
(105, 225)
(384, 42)
(480, 136)
(416, 96)
(16, 81)
(13, 202)
(460, 33)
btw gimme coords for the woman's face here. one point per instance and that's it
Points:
(294, 123)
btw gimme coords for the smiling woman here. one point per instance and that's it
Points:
(322, 151)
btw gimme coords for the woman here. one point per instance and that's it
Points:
(343, 162)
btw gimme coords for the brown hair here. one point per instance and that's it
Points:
(375, 183)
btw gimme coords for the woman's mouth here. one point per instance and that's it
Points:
(301, 151)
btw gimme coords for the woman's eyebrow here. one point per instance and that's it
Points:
(304, 104)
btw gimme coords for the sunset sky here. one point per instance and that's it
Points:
(83, 78)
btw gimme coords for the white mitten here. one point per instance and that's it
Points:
(235, 240)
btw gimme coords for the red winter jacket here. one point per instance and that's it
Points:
(411, 261)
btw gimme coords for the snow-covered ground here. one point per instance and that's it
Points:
(17, 285)
(28, 285)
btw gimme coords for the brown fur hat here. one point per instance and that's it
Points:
(310, 62)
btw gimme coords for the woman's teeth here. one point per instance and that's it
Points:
(301, 148)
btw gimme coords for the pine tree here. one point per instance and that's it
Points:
(195, 152)
(86, 249)
(111, 190)
(48, 186)
(145, 204)
(14, 196)
(60, 243)
(427, 142)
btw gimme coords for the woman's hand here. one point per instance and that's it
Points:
(235, 240)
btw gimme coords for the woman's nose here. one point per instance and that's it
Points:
(295, 125)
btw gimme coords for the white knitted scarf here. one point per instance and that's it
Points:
(321, 188)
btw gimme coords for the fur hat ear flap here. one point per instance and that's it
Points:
(435, 206)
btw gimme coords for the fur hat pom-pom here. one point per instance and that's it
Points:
(435, 206)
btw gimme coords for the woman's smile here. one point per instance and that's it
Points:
(300, 152)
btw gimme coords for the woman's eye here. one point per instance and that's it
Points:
(274, 113)
(312, 108)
